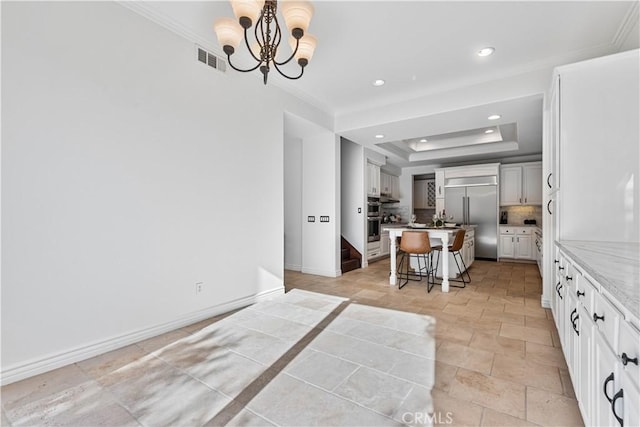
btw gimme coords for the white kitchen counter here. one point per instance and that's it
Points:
(616, 266)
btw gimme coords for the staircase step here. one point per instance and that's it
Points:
(350, 264)
(345, 254)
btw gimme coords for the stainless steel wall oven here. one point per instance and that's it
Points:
(374, 219)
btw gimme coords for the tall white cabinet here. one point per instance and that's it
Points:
(591, 177)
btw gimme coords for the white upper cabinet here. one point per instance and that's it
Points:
(521, 184)
(389, 185)
(439, 185)
(532, 184)
(373, 180)
(597, 158)
(510, 185)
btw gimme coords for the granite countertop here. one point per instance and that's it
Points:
(616, 267)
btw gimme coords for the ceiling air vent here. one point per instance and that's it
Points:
(211, 60)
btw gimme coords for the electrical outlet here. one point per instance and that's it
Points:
(324, 218)
(311, 218)
(199, 287)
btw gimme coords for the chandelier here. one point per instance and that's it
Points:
(267, 34)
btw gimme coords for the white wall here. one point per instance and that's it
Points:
(292, 202)
(353, 195)
(130, 172)
(321, 196)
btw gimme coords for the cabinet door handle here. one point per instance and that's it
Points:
(525, 200)
(560, 268)
(567, 278)
(616, 396)
(575, 310)
(558, 286)
(604, 387)
(439, 189)
(626, 359)
(520, 199)
(575, 327)
(549, 207)
(579, 294)
(555, 261)
(548, 178)
(596, 318)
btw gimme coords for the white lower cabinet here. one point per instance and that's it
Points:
(385, 243)
(601, 348)
(516, 243)
(373, 249)
(606, 381)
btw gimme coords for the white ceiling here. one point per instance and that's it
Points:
(426, 48)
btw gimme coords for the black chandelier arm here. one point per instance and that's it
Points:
(275, 65)
(246, 42)
(289, 58)
(240, 69)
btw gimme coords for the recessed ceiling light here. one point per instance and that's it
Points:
(423, 140)
(486, 51)
(379, 136)
(488, 131)
(494, 117)
(378, 82)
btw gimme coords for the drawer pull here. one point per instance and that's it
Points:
(604, 388)
(548, 178)
(617, 396)
(549, 207)
(560, 268)
(579, 294)
(567, 278)
(596, 317)
(555, 261)
(626, 359)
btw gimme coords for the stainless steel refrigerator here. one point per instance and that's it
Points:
(474, 200)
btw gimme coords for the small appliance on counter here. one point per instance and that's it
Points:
(530, 222)
(503, 217)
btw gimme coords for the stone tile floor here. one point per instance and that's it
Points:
(498, 361)
(302, 358)
(498, 355)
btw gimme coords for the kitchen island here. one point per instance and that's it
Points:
(445, 234)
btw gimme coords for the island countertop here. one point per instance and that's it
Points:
(614, 265)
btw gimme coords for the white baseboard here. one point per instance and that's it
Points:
(33, 367)
(293, 267)
(545, 302)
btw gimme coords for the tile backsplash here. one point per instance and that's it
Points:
(403, 211)
(517, 214)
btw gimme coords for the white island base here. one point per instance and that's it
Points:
(444, 234)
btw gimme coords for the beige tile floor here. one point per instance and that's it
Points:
(498, 362)
(301, 358)
(498, 356)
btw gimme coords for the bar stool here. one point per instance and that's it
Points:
(454, 249)
(415, 244)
